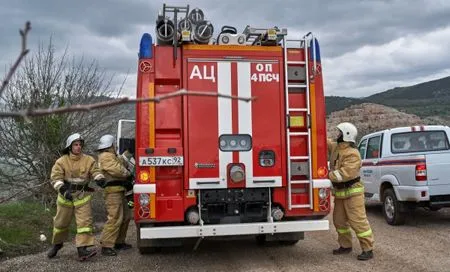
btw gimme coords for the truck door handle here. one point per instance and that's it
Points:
(207, 182)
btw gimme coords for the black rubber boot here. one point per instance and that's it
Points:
(123, 246)
(342, 250)
(84, 253)
(54, 250)
(365, 255)
(108, 251)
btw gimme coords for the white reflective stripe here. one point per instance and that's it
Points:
(58, 184)
(144, 188)
(338, 175)
(225, 114)
(245, 117)
(321, 183)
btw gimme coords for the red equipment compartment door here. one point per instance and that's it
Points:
(209, 117)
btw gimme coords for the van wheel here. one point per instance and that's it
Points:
(391, 208)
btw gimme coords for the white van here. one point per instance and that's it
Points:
(407, 167)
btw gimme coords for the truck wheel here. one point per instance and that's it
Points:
(149, 250)
(260, 239)
(391, 208)
(288, 242)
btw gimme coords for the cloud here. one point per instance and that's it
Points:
(404, 61)
(366, 46)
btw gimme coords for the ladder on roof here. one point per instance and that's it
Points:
(299, 86)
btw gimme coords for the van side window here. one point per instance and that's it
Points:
(362, 148)
(419, 141)
(373, 148)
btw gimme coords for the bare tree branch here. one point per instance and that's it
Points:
(104, 104)
(22, 191)
(23, 52)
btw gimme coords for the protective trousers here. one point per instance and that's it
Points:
(65, 209)
(115, 229)
(351, 213)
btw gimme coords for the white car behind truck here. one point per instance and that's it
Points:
(405, 168)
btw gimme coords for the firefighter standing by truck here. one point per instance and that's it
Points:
(70, 177)
(349, 206)
(116, 184)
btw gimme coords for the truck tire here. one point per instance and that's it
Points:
(288, 242)
(283, 239)
(391, 208)
(145, 246)
(148, 250)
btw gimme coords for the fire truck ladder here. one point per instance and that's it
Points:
(289, 89)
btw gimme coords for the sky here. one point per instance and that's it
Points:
(366, 46)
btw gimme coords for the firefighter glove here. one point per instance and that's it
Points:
(64, 190)
(101, 183)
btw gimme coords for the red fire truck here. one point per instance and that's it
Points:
(209, 166)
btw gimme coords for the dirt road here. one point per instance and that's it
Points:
(423, 244)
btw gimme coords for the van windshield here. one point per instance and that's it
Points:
(419, 141)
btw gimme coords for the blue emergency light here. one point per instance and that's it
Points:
(145, 49)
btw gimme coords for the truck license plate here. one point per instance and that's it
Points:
(161, 161)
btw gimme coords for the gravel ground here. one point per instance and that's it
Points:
(422, 244)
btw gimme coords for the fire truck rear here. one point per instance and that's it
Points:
(212, 166)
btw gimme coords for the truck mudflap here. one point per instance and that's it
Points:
(233, 229)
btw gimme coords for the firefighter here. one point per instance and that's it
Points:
(116, 184)
(70, 177)
(349, 207)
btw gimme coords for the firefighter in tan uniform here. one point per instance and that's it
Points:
(117, 182)
(70, 177)
(349, 207)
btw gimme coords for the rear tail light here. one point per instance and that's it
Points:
(421, 172)
(143, 206)
(323, 193)
(144, 176)
(321, 199)
(322, 172)
(144, 199)
(267, 158)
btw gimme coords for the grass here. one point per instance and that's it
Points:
(22, 222)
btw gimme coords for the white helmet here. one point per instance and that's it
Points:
(349, 132)
(105, 141)
(72, 138)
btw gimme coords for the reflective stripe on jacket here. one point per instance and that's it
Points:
(345, 164)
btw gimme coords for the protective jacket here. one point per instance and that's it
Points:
(74, 169)
(345, 164)
(114, 171)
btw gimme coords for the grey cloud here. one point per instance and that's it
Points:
(109, 30)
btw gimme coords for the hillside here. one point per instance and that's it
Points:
(428, 99)
(369, 117)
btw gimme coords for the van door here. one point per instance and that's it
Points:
(370, 172)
